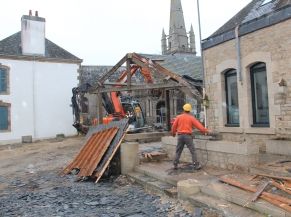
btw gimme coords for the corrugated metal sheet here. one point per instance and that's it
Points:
(92, 152)
(115, 144)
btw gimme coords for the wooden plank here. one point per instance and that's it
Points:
(252, 189)
(260, 190)
(273, 199)
(275, 177)
(280, 186)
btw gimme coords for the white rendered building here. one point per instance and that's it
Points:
(36, 79)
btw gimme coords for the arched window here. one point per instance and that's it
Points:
(232, 108)
(260, 102)
(3, 79)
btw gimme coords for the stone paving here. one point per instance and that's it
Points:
(47, 194)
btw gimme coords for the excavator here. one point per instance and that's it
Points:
(116, 105)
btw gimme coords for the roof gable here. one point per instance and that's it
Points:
(11, 46)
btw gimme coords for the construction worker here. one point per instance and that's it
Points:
(138, 116)
(183, 126)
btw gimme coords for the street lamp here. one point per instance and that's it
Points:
(202, 60)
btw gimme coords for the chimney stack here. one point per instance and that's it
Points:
(33, 35)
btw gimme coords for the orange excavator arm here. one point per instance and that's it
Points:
(114, 95)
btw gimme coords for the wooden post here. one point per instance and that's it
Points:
(168, 110)
(128, 73)
(100, 107)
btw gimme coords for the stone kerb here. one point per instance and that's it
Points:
(188, 188)
(224, 154)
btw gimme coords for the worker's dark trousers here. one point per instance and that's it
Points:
(185, 140)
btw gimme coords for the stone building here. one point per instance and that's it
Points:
(248, 75)
(178, 56)
(36, 79)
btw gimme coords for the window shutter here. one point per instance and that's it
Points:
(3, 118)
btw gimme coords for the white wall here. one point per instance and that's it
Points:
(40, 97)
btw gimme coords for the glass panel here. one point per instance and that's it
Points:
(3, 118)
(260, 96)
(232, 97)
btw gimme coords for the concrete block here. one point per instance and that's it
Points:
(26, 139)
(188, 188)
(169, 140)
(282, 147)
(145, 137)
(128, 156)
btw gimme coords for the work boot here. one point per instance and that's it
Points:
(175, 167)
(197, 166)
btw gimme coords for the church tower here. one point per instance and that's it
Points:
(178, 41)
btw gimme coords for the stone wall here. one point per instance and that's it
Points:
(223, 154)
(271, 45)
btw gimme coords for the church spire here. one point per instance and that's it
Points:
(192, 40)
(164, 42)
(178, 39)
(177, 34)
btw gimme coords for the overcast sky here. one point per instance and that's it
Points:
(101, 32)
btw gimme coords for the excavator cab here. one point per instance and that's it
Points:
(133, 112)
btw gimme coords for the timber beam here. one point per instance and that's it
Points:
(139, 87)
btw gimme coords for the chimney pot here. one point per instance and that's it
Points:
(30, 13)
(36, 13)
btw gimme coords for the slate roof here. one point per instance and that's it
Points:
(187, 65)
(11, 46)
(252, 17)
(180, 63)
(91, 74)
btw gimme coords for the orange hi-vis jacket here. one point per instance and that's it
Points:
(184, 124)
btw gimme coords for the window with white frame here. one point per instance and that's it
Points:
(259, 88)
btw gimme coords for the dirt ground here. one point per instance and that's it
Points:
(30, 185)
(23, 159)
